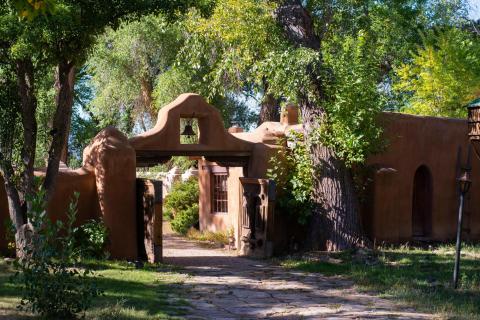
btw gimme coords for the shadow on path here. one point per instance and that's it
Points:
(224, 286)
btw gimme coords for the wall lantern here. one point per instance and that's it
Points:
(474, 125)
(464, 181)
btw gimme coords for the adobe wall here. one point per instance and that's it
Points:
(165, 135)
(112, 159)
(414, 141)
(106, 184)
(218, 221)
(68, 182)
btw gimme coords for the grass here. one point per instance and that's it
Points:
(419, 277)
(129, 293)
(215, 237)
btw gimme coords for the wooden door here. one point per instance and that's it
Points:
(256, 217)
(422, 203)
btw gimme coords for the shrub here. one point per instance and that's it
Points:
(185, 219)
(181, 205)
(52, 284)
(91, 239)
(182, 195)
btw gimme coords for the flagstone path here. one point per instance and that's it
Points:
(223, 286)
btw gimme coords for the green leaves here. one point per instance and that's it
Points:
(291, 169)
(53, 285)
(226, 48)
(444, 74)
(181, 204)
(355, 99)
(124, 65)
(30, 9)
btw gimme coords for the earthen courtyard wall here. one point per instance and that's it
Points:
(107, 180)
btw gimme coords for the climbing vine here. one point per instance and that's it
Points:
(291, 169)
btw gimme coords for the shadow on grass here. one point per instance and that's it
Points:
(151, 297)
(422, 278)
(129, 293)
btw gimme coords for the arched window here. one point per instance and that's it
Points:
(422, 203)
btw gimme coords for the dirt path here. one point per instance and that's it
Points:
(223, 286)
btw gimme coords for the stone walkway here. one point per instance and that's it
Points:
(222, 286)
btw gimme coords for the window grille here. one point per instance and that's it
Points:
(219, 193)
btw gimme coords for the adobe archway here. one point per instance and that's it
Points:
(113, 159)
(214, 142)
(158, 145)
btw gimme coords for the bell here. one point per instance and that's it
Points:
(188, 130)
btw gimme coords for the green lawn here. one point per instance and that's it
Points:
(420, 277)
(129, 293)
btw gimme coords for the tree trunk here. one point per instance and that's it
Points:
(16, 211)
(335, 221)
(269, 110)
(28, 103)
(64, 86)
(146, 94)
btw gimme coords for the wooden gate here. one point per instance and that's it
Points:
(149, 220)
(257, 217)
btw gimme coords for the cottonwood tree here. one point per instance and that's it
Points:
(344, 53)
(136, 69)
(58, 37)
(225, 49)
(124, 65)
(443, 75)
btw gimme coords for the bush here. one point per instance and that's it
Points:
(91, 239)
(185, 219)
(52, 284)
(181, 205)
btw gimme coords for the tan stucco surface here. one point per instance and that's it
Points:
(165, 136)
(112, 159)
(219, 221)
(68, 182)
(414, 141)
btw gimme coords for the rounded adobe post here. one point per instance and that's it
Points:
(290, 115)
(112, 158)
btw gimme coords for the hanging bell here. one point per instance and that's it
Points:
(188, 130)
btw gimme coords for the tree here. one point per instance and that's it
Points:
(136, 71)
(62, 39)
(125, 64)
(30, 9)
(344, 52)
(223, 51)
(443, 75)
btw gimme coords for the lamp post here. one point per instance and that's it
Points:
(464, 180)
(464, 184)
